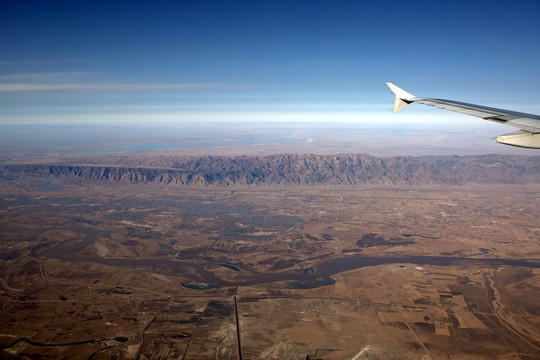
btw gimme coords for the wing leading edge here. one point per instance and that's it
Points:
(528, 136)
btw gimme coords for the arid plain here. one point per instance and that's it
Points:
(107, 269)
(127, 271)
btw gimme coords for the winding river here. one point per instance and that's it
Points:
(319, 276)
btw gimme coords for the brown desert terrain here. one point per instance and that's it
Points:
(390, 268)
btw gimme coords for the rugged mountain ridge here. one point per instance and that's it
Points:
(303, 169)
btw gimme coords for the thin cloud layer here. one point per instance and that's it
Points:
(17, 87)
(82, 80)
(66, 76)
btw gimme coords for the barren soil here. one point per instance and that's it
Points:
(101, 271)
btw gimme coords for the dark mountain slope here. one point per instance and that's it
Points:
(305, 169)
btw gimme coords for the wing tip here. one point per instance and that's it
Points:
(402, 94)
(403, 98)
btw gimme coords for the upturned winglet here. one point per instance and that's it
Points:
(529, 124)
(403, 98)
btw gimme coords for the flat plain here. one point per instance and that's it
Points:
(103, 271)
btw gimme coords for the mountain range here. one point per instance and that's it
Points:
(300, 169)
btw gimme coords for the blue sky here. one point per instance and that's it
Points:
(182, 61)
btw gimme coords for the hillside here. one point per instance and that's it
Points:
(305, 169)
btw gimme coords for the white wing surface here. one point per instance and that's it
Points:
(528, 136)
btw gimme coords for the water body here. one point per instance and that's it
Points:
(420, 236)
(320, 276)
(255, 140)
(142, 147)
(229, 266)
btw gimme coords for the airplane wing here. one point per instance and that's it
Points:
(528, 136)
